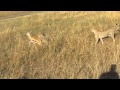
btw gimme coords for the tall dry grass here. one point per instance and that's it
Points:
(70, 52)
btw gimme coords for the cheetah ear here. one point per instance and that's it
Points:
(29, 32)
(41, 36)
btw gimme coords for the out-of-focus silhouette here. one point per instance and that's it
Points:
(112, 74)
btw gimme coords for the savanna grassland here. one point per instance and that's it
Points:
(71, 51)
